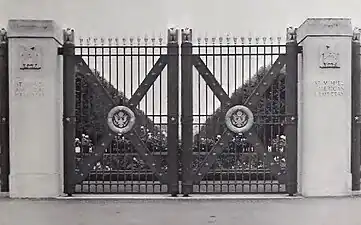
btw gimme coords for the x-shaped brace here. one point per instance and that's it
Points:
(86, 164)
(251, 103)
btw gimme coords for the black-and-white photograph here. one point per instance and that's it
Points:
(180, 112)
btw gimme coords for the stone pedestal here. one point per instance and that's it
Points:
(35, 89)
(324, 106)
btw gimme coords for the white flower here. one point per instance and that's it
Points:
(269, 148)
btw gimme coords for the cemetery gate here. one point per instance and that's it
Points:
(215, 115)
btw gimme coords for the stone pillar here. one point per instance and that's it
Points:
(35, 90)
(324, 107)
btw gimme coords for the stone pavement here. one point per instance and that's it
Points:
(316, 211)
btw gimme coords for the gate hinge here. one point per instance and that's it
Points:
(300, 49)
(61, 51)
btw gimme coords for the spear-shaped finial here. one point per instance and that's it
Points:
(81, 40)
(146, 39)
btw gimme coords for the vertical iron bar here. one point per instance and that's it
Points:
(187, 110)
(356, 142)
(291, 109)
(198, 123)
(69, 111)
(277, 106)
(173, 111)
(4, 114)
(215, 129)
(153, 110)
(206, 114)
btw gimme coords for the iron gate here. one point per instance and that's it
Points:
(4, 113)
(122, 121)
(243, 106)
(143, 160)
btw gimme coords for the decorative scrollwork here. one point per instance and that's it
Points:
(121, 119)
(239, 119)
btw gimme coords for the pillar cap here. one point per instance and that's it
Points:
(34, 28)
(324, 27)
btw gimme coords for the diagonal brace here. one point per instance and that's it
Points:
(88, 163)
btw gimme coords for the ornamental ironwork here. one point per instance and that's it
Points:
(239, 119)
(121, 119)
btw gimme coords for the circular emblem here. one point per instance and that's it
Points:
(121, 119)
(239, 119)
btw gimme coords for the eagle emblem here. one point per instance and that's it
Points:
(30, 58)
(239, 119)
(329, 58)
(121, 119)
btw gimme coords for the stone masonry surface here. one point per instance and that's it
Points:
(312, 211)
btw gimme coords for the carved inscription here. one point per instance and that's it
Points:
(329, 88)
(30, 58)
(29, 89)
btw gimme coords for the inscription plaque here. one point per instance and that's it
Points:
(29, 89)
(30, 58)
(329, 88)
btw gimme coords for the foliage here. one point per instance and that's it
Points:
(91, 114)
(91, 111)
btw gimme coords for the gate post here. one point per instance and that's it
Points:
(291, 79)
(4, 113)
(187, 110)
(69, 110)
(35, 96)
(173, 114)
(324, 107)
(356, 111)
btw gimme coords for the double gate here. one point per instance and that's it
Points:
(214, 116)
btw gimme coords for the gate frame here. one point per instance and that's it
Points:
(188, 60)
(356, 111)
(4, 112)
(74, 64)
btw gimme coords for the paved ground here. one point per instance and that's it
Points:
(321, 211)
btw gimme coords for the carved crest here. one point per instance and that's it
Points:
(239, 119)
(30, 58)
(121, 119)
(329, 58)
